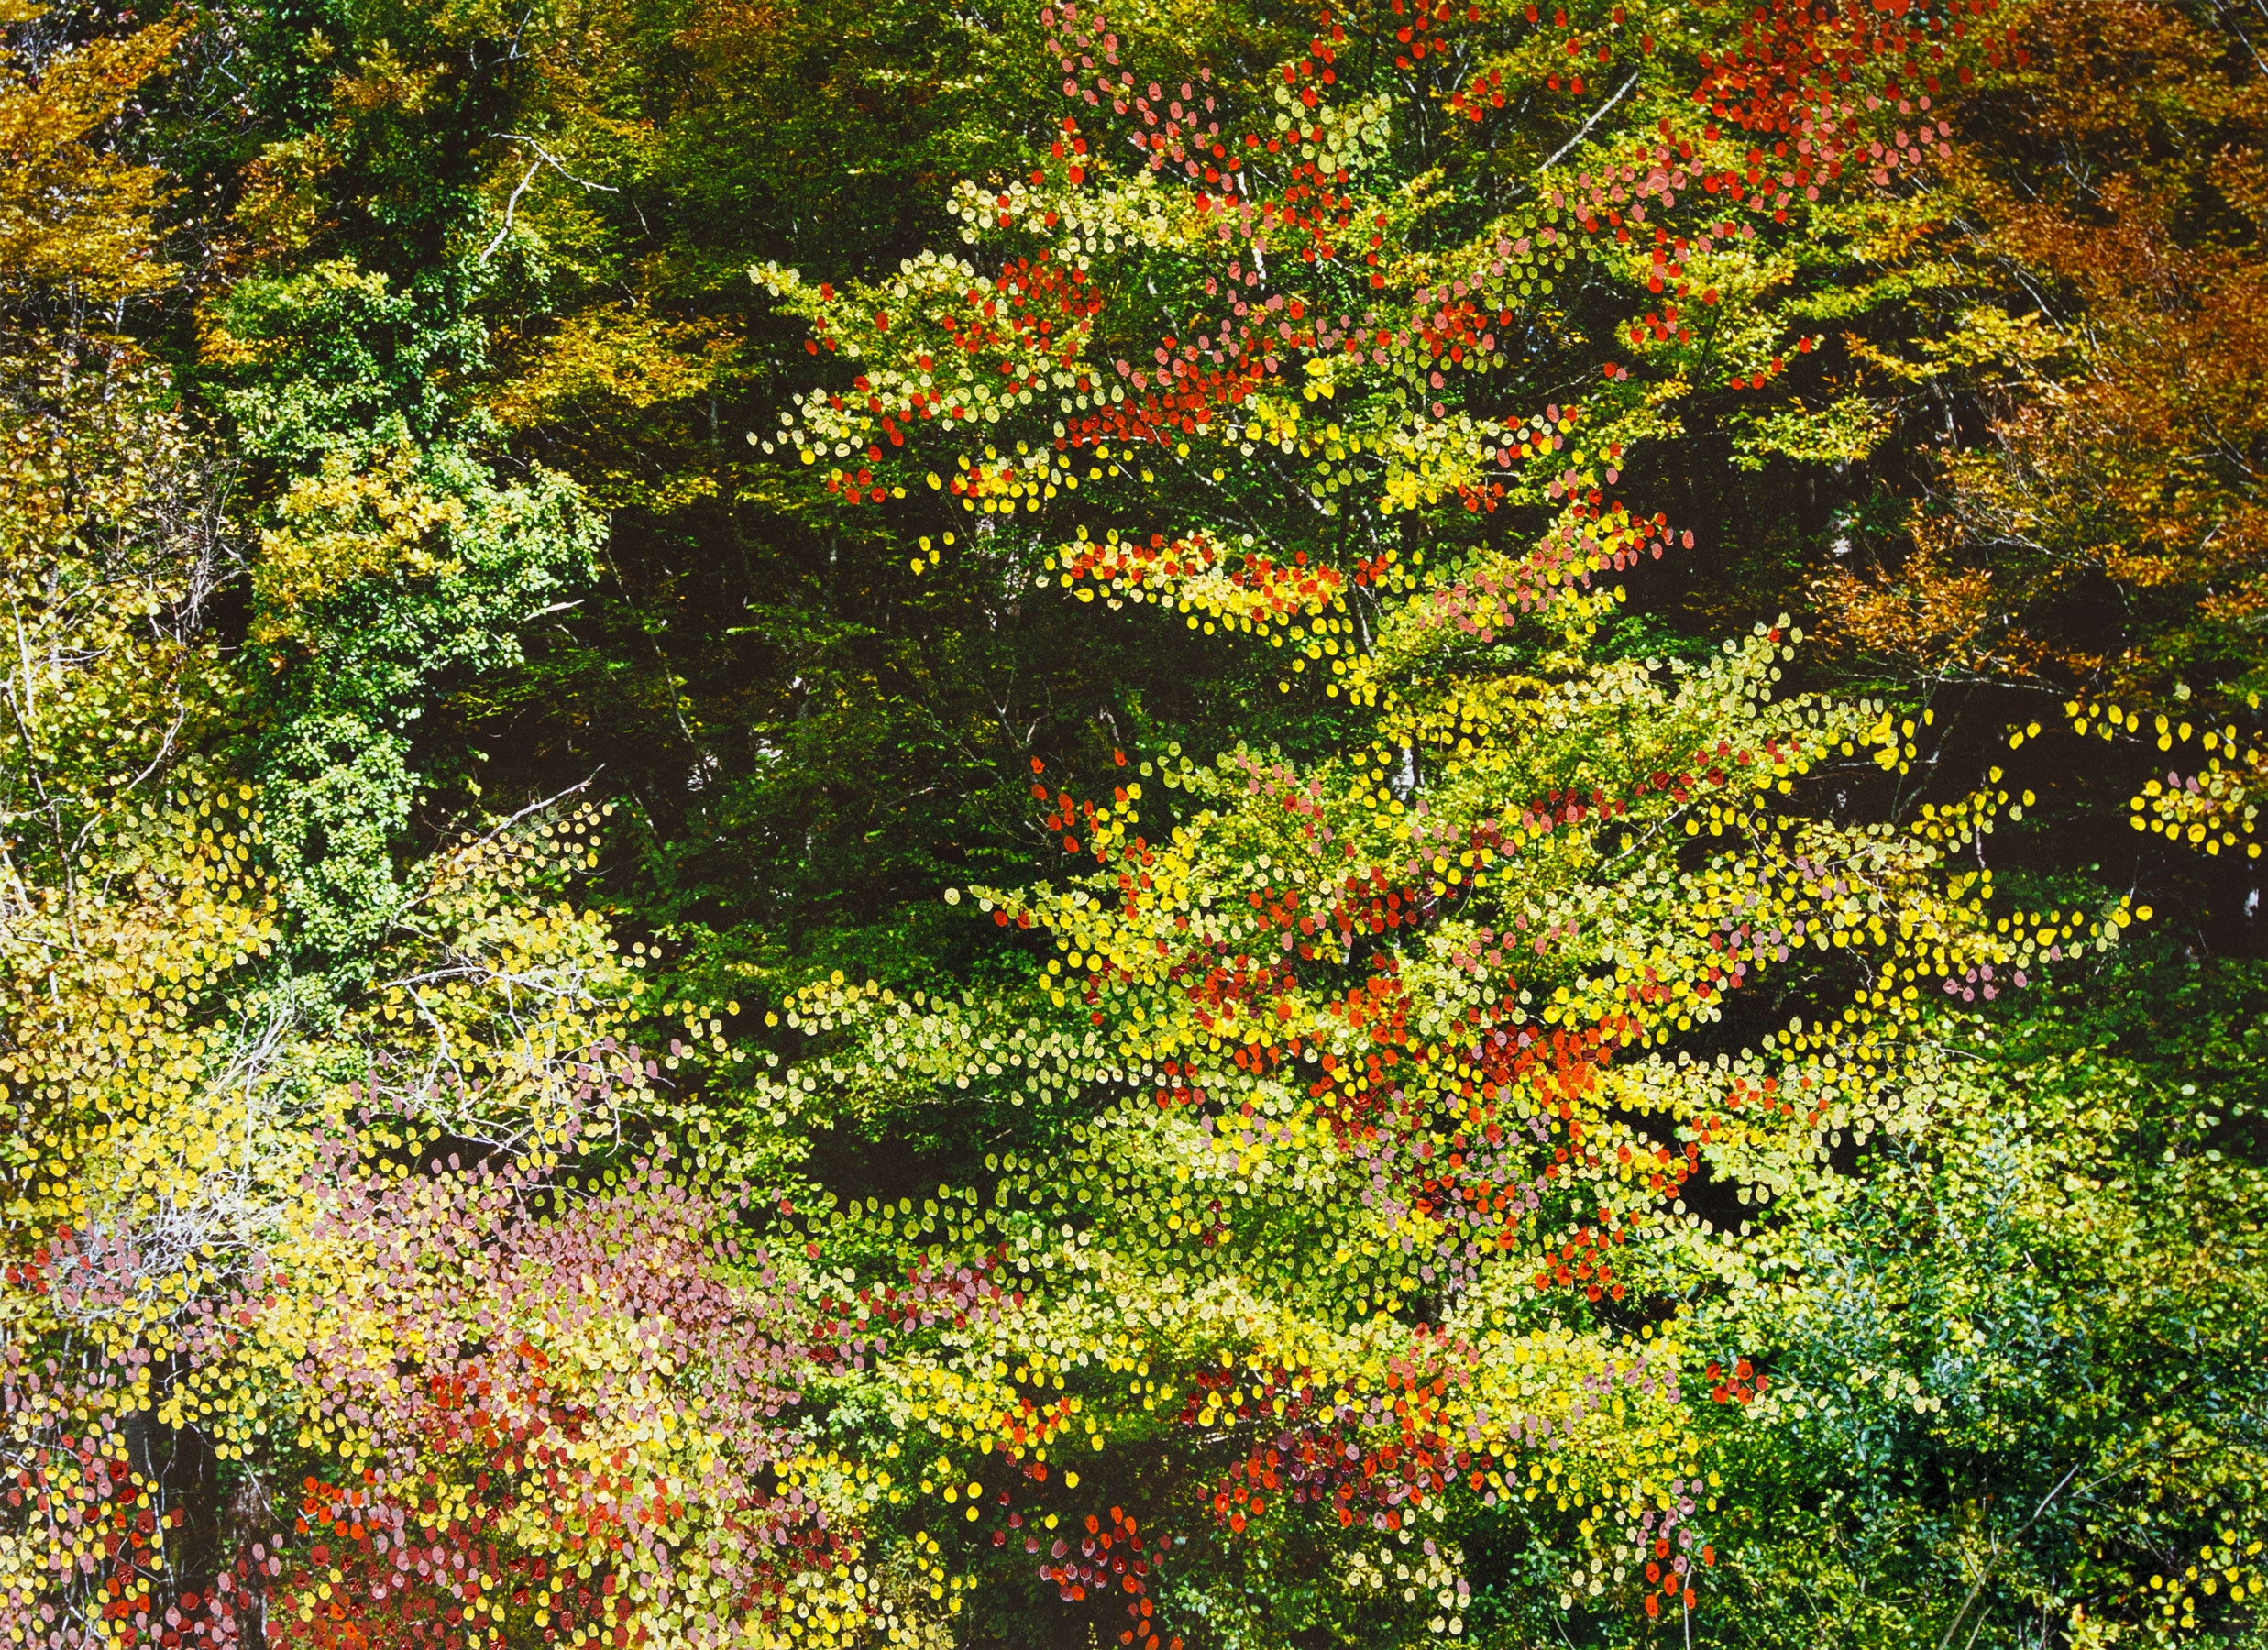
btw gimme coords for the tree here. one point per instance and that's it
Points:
(1401, 1095)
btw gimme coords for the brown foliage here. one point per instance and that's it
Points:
(2111, 535)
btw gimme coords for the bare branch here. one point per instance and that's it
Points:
(544, 158)
(1583, 131)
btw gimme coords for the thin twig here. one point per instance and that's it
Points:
(552, 161)
(1953, 1626)
(510, 206)
(502, 826)
(1584, 130)
(544, 158)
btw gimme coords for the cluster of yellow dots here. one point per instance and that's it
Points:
(2229, 1568)
(116, 1001)
(998, 484)
(2213, 809)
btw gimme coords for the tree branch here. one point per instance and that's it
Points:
(544, 158)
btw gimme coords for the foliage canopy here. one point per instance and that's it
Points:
(1183, 827)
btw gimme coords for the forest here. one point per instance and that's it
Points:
(1082, 824)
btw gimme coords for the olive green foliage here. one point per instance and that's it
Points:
(2016, 1364)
